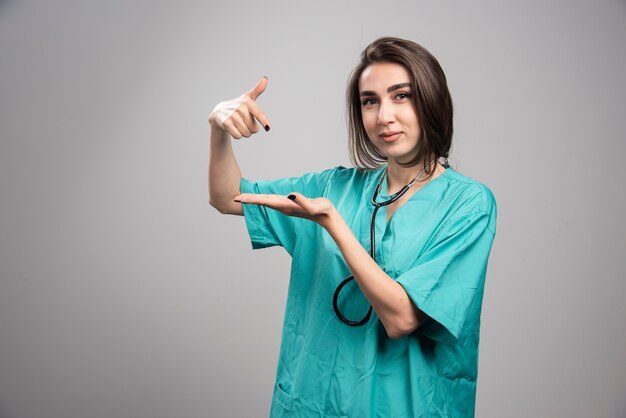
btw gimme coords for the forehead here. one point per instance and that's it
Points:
(382, 75)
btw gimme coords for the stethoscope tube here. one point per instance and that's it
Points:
(377, 205)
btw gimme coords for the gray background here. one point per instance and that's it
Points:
(123, 294)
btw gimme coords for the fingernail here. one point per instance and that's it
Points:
(267, 128)
(266, 77)
(292, 197)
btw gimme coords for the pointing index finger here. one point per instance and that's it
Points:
(259, 115)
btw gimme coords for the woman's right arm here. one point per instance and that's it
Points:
(237, 118)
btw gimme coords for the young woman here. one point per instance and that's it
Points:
(389, 258)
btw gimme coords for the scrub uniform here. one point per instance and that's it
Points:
(436, 245)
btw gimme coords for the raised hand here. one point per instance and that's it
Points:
(239, 116)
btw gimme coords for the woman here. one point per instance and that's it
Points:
(415, 353)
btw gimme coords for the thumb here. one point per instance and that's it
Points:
(302, 201)
(315, 209)
(259, 88)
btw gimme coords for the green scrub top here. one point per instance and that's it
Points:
(436, 245)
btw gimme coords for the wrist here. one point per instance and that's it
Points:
(332, 221)
(217, 133)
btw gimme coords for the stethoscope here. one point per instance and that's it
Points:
(377, 205)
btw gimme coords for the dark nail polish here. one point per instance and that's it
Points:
(267, 128)
(266, 77)
(292, 197)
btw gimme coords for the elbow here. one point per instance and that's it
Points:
(404, 323)
(220, 208)
(228, 207)
(214, 205)
(395, 334)
(400, 329)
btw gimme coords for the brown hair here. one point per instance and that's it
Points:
(430, 95)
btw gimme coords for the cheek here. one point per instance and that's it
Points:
(415, 121)
(369, 122)
(413, 128)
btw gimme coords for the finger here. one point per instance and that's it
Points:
(252, 125)
(241, 126)
(231, 129)
(258, 89)
(302, 201)
(249, 120)
(259, 198)
(259, 115)
(270, 200)
(315, 208)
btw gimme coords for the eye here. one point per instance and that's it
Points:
(402, 96)
(368, 101)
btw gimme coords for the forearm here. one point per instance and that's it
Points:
(387, 297)
(224, 173)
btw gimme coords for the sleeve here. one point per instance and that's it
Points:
(449, 277)
(268, 227)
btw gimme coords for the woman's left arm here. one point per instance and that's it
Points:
(392, 304)
(388, 298)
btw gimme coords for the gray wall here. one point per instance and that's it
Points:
(123, 294)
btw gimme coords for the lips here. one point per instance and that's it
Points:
(390, 136)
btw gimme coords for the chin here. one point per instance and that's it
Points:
(396, 151)
(404, 157)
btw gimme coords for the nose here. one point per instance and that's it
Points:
(386, 113)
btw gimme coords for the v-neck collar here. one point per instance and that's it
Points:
(382, 226)
(382, 196)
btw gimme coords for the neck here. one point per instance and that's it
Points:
(398, 176)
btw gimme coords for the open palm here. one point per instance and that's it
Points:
(317, 209)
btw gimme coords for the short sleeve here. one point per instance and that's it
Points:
(449, 277)
(268, 227)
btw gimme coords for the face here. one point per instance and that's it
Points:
(389, 116)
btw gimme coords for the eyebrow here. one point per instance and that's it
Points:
(389, 90)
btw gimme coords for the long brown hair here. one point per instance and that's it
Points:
(430, 95)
